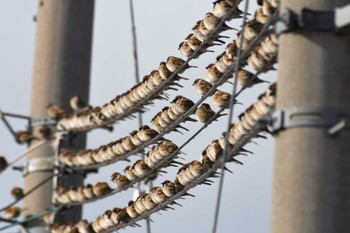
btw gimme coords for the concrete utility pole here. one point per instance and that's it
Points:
(312, 169)
(61, 70)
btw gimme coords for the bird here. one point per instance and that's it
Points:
(210, 21)
(54, 111)
(101, 189)
(84, 226)
(182, 104)
(157, 195)
(45, 131)
(214, 150)
(168, 188)
(156, 123)
(194, 43)
(166, 147)
(77, 104)
(221, 10)
(24, 136)
(164, 72)
(212, 75)
(3, 163)
(222, 99)
(13, 212)
(119, 180)
(267, 7)
(140, 168)
(139, 206)
(129, 173)
(148, 202)
(119, 215)
(17, 193)
(185, 49)
(248, 79)
(145, 133)
(260, 16)
(127, 143)
(174, 63)
(231, 48)
(252, 29)
(196, 168)
(130, 210)
(201, 86)
(204, 113)
(257, 61)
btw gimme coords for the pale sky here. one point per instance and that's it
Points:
(161, 26)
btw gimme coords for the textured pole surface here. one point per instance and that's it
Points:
(312, 169)
(61, 70)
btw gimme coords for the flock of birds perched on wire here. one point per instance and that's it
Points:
(255, 46)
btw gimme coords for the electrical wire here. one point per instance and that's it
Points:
(231, 111)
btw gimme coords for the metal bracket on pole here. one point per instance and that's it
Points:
(37, 121)
(38, 165)
(333, 119)
(333, 20)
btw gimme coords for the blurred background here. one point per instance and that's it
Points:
(160, 26)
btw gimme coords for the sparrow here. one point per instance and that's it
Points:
(164, 72)
(84, 226)
(3, 163)
(245, 42)
(96, 225)
(119, 180)
(257, 62)
(214, 150)
(17, 193)
(77, 104)
(185, 49)
(182, 177)
(222, 99)
(168, 188)
(119, 215)
(24, 137)
(13, 212)
(178, 186)
(212, 75)
(81, 197)
(152, 157)
(182, 104)
(260, 16)
(174, 63)
(262, 107)
(232, 48)
(231, 141)
(204, 113)
(62, 196)
(196, 168)
(54, 111)
(206, 161)
(140, 168)
(129, 173)
(130, 210)
(252, 29)
(157, 123)
(221, 9)
(157, 195)
(168, 115)
(145, 133)
(248, 79)
(127, 144)
(156, 77)
(101, 189)
(198, 33)
(166, 148)
(105, 219)
(73, 194)
(225, 62)
(210, 21)
(139, 206)
(148, 202)
(48, 218)
(201, 86)
(45, 132)
(194, 43)
(267, 8)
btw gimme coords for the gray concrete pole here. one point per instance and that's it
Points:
(312, 170)
(61, 70)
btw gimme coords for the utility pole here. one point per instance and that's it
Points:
(61, 70)
(312, 168)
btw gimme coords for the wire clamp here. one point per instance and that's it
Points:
(333, 119)
(37, 121)
(334, 20)
(38, 165)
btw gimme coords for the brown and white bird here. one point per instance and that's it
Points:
(140, 168)
(168, 188)
(174, 63)
(164, 72)
(260, 16)
(166, 147)
(185, 49)
(77, 104)
(119, 215)
(157, 195)
(201, 86)
(146, 133)
(148, 202)
(129, 173)
(196, 168)
(222, 9)
(210, 21)
(248, 79)
(130, 210)
(24, 137)
(204, 113)
(54, 111)
(182, 104)
(17, 193)
(214, 150)
(45, 131)
(13, 212)
(3, 163)
(119, 180)
(222, 99)
(212, 75)
(252, 29)
(101, 189)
